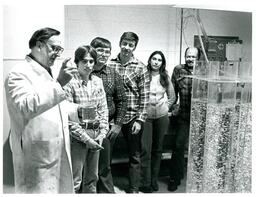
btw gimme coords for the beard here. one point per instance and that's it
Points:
(190, 63)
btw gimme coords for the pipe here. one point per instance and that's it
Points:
(200, 39)
(181, 29)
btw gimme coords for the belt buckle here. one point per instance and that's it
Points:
(91, 125)
(95, 125)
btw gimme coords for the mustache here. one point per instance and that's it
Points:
(189, 61)
(125, 50)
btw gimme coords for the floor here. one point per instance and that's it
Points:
(119, 166)
(120, 176)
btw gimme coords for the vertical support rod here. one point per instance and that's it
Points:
(181, 29)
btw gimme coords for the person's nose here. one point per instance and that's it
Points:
(55, 55)
(191, 59)
(126, 47)
(104, 54)
(90, 64)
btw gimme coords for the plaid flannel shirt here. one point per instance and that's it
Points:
(115, 93)
(92, 93)
(183, 88)
(136, 82)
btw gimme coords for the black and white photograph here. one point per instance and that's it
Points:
(127, 97)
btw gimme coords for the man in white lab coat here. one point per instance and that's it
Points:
(39, 137)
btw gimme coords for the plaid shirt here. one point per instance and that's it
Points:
(93, 93)
(115, 93)
(136, 82)
(183, 88)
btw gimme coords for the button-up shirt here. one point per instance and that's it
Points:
(136, 82)
(160, 98)
(183, 87)
(92, 93)
(115, 93)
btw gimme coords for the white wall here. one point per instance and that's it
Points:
(155, 26)
(158, 28)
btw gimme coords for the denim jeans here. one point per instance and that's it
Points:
(84, 167)
(134, 151)
(105, 182)
(152, 146)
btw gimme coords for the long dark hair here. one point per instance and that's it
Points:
(162, 71)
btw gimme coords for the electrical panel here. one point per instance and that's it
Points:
(216, 47)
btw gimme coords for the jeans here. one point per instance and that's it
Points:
(84, 167)
(152, 146)
(177, 161)
(134, 151)
(105, 182)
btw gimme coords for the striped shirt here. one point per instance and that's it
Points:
(115, 93)
(92, 94)
(136, 82)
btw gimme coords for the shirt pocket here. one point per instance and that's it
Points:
(46, 154)
(130, 82)
(185, 83)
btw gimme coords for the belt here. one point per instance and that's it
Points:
(90, 125)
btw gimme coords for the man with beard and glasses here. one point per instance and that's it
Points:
(136, 82)
(183, 88)
(39, 137)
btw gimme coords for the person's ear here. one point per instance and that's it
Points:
(39, 45)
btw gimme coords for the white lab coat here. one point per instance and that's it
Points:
(39, 137)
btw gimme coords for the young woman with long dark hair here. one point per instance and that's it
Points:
(161, 98)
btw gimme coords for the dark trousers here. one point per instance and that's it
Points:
(177, 161)
(152, 146)
(134, 151)
(105, 179)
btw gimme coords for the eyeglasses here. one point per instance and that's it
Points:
(85, 61)
(100, 51)
(55, 48)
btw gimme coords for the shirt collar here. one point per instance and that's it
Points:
(103, 70)
(48, 69)
(132, 60)
(79, 78)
